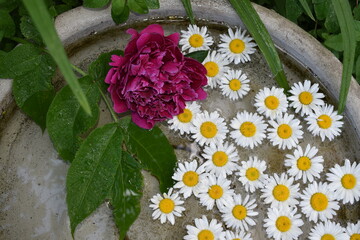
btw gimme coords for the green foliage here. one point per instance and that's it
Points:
(153, 4)
(198, 55)
(188, 9)
(95, 3)
(138, 6)
(7, 25)
(29, 31)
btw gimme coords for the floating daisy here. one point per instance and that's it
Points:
(345, 180)
(280, 191)
(304, 164)
(215, 65)
(328, 231)
(238, 213)
(167, 206)
(209, 129)
(229, 235)
(221, 159)
(305, 97)
(251, 174)
(283, 224)
(204, 230)
(271, 102)
(184, 121)
(285, 132)
(189, 178)
(353, 230)
(249, 129)
(195, 39)
(318, 202)
(216, 190)
(325, 122)
(236, 46)
(234, 84)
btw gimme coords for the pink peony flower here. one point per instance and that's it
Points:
(154, 79)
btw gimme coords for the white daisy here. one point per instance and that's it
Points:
(285, 132)
(237, 46)
(280, 191)
(238, 214)
(305, 164)
(208, 129)
(215, 65)
(249, 129)
(318, 202)
(229, 235)
(325, 122)
(271, 102)
(305, 97)
(345, 180)
(184, 121)
(167, 206)
(328, 231)
(204, 230)
(221, 159)
(251, 174)
(189, 178)
(353, 230)
(195, 39)
(216, 190)
(234, 84)
(283, 224)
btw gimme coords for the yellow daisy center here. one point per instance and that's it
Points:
(206, 235)
(212, 69)
(215, 192)
(166, 205)
(305, 98)
(248, 129)
(186, 116)
(348, 181)
(252, 174)
(236, 239)
(284, 131)
(324, 121)
(190, 178)
(283, 224)
(272, 102)
(220, 158)
(196, 40)
(235, 84)
(281, 192)
(319, 202)
(208, 129)
(304, 163)
(355, 236)
(239, 212)
(237, 46)
(328, 237)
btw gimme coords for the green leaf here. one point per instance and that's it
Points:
(189, 11)
(122, 17)
(43, 22)
(257, 29)
(29, 30)
(321, 8)
(95, 3)
(331, 23)
(145, 144)
(126, 193)
(357, 69)
(198, 55)
(335, 42)
(307, 9)
(117, 6)
(7, 24)
(138, 6)
(293, 10)
(66, 120)
(9, 5)
(153, 4)
(346, 22)
(356, 12)
(92, 173)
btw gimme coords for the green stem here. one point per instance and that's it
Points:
(19, 40)
(77, 69)
(108, 104)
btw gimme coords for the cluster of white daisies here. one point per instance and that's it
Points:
(285, 195)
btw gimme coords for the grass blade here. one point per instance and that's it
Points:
(307, 9)
(346, 22)
(188, 9)
(43, 22)
(256, 27)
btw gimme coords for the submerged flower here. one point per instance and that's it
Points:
(195, 39)
(184, 121)
(154, 79)
(204, 230)
(328, 230)
(234, 84)
(251, 174)
(215, 65)
(271, 102)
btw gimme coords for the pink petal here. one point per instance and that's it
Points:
(175, 37)
(142, 122)
(153, 28)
